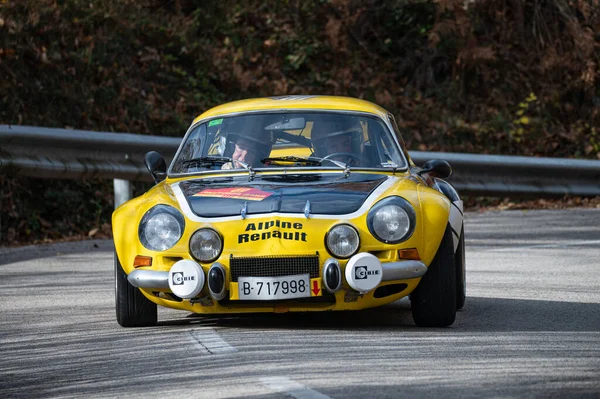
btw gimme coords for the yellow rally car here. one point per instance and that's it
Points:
(291, 204)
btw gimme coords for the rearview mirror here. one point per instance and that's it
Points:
(436, 168)
(288, 124)
(156, 165)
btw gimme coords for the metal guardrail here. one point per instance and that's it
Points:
(78, 154)
(518, 176)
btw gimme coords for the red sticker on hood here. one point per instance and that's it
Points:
(245, 193)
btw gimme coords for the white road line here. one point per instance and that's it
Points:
(292, 388)
(209, 342)
(541, 246)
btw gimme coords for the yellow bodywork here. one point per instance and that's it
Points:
(246, 237)
(330, 103)
(308, 237)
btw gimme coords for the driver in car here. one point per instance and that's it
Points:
(334, 141)
(248, 149)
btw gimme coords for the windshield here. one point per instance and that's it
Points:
(291, 139)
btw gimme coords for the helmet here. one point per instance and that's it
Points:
(335, 127)
(246, 129)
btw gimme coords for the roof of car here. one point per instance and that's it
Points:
(334, 103)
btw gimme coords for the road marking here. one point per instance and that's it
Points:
(211, 343)
(541, 246)
(290, 387)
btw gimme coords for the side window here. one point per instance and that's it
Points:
(399, 136)
(191, 149)
(380, 149)
(388, 151)
(193, 144)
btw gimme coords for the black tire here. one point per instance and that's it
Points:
(133, 308)
(461, 272)
(433, 302)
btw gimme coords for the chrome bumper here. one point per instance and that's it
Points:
(403, 270)
(148, 279)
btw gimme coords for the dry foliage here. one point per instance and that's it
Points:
(506, 77)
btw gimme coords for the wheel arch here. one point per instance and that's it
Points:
(125, 221)
(456, 214)
(435, 211)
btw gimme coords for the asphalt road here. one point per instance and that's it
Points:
(530, 328)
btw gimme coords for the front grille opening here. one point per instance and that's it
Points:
(273, 266)
(388, 290)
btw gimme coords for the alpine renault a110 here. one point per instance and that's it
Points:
(291, 204)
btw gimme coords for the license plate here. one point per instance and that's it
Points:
(272, 288)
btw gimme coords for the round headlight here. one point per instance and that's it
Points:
(392, 220)
(206, 245)
(391, 223)
(342, 241)
(161, 228)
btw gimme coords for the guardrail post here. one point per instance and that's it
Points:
(123, 191)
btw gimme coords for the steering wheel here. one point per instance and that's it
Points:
(347, 155)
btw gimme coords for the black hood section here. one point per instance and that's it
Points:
(330, 194)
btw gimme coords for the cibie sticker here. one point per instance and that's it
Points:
(245, 193)
(186, 279)
(215, 122)
(363, 272)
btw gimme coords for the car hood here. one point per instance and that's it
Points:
(325, 193)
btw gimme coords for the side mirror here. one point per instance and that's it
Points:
(436, 168)
(156, 165)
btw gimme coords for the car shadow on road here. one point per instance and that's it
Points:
(479, 314)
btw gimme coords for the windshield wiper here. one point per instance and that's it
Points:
(342, 165)
(204, 161)
(315, 161)
(333, 161)
(291, 158)
(306, 160)
(207, 161)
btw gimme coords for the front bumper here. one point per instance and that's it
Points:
(391, 271)
(149, 279)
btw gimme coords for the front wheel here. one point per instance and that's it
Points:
(133, 308)
(433, 302)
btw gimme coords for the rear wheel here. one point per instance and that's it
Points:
(461, 273)
(433, 302)
(133, 308)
